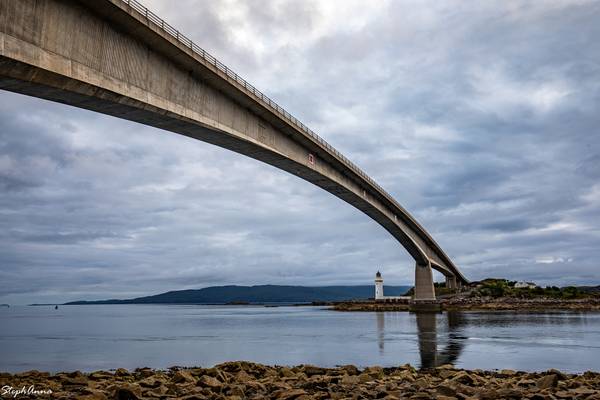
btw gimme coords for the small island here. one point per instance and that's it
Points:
(493, 294)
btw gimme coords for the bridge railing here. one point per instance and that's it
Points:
(257, 94)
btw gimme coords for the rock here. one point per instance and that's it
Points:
(446, 390)
(121, 372)
(100, 375)
(447, 373)
(508, 372)
(34, 373)
(559, 374)
(561, 394)
(153, 381)
(350, 369)
(127, 392)
(77, 381)
(144, 372)
(420, 396)
(350, 380)
(463, 377)
(311, 370)
(421, 383)
(242, 377)
(404, 375)
(289, 394)
(374, 372)
(364, 378)
(489, 395)
(210, 382)
(156, 392)
(255, 386)
(580, 391)
(286, 372)
(91, 394)
(508, 393)
(192, 397)
(182, 376)
(538, 396)
(96, 396)
(526, 382)
(547, 381)
(236, 390)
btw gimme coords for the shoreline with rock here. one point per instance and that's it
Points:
(244, 380)
(478, 304)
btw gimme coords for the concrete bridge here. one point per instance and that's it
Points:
(117, 58)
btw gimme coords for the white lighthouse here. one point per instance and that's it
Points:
(378, 286)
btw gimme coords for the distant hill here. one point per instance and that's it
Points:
(256, 294)
(589, 289)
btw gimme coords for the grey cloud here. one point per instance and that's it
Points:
(480, 119)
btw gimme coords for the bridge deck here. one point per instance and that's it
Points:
(43, 61)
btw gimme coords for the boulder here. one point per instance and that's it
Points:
(127, 392)
(289, 394)
(210, 382)
(121, 372)
(374, 372)
(235, 390)
(182, 376)
(350, 369)
(446, 390)
(100, 375)
(350, 380)
(547, 381)
(153, 381)
(311, 370)
(286, 372)
(144, 372)
(463, 377)
(76, 381)
(242, 376)
(447, 373)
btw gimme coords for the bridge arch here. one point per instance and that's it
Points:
(117, 58)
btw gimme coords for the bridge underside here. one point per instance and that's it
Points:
(104, 56)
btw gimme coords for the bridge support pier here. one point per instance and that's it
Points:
(424, 282)
(451, 282)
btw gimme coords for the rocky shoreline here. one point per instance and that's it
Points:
(244, 380)
(480, 304)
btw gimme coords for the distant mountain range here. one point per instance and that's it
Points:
(256, 294)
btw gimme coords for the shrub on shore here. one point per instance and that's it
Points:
(503, 288)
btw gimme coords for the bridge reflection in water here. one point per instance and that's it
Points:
(433, 352)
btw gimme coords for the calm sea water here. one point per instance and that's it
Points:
(103, 337)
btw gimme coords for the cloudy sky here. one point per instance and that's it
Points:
(481, 118)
